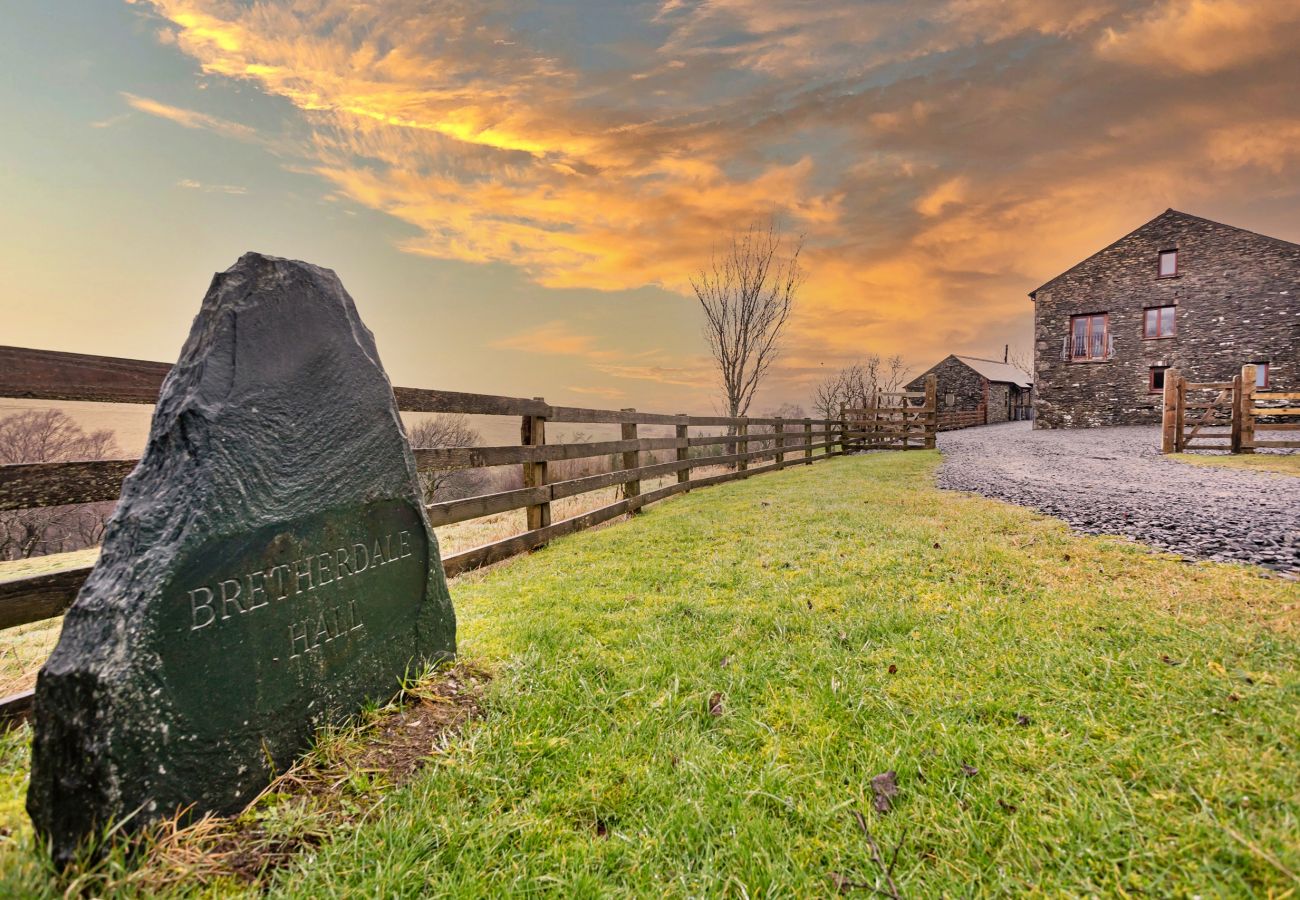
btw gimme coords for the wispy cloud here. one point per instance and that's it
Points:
(554, 339)
(110, 121)
(192, 185)
(189, 118)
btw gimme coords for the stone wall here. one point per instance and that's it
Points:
(1237, 299)
(998, 401)
(955, 378)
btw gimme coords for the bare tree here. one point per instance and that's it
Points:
(51, 435)
(448, 430)
(747, 293)
(1022, 359)
(856, 385)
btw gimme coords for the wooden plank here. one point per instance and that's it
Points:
(1208, 385)
(479, 457)
(55, 375)
(1274, 411)
(32, 598)
(1277, 395)
(16, 709)
(426, 400)
(1258, 443)
(30, 485)
(631, 460)
(577, 414)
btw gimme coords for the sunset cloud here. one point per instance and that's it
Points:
(189, 118)
(940, 163)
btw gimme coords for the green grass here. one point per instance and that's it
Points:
(1157, 754)
(1277, 463)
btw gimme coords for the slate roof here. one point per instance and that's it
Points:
(998, 371)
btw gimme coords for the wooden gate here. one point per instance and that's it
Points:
(893, 421)
(1196, 414)
(1254, 418)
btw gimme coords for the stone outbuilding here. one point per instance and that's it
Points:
(993, 391)
(1180, 291)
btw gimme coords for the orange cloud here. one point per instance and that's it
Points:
(941, 161)
(189, 118)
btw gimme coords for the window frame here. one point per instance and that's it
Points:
(1105, 331)
(1151, 379)
(1146, 316)
(1160, 258)
(1266, 367)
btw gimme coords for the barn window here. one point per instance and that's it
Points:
(1156, 384)
(1168, 263)
(950, 399)
(1261, 374)
(1158, 322)
(1089, 336)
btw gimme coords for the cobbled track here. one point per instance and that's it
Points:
(1114, 481)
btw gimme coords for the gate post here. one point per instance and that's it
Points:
(1235, 445)
(808, 442)
(930, 418)
(779, 430)
(532, 433)
(1180, 412)
(1169, 423)
(1248, 408)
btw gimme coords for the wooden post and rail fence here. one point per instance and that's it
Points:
(1196, 414)
(57, 376)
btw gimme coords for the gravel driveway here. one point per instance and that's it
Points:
(1114, 481)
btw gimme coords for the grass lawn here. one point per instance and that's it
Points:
(1066, 715)
(1280, 463)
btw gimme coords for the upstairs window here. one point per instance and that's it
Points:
(1168, 263)
(1158, 322)
(1156, 383)
(1089, 336)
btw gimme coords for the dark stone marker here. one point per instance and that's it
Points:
(268, 569)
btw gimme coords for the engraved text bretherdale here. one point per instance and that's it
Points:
(245, 593)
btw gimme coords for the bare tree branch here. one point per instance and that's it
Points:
(747, 293)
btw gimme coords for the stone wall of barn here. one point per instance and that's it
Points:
(1237, 300)
(959, 386)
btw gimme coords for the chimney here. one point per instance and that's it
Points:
(1006, 352)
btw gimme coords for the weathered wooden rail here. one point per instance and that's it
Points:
(1250, 415)
(57, 376)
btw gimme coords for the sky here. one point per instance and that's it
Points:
(516, 193)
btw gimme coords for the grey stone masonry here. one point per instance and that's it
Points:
(960, 387)
(1235, 299)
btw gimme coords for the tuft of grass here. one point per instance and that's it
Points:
(698, 702)
(1274, 463)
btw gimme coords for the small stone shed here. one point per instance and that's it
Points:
(994, 391)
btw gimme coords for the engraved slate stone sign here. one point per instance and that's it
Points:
(268, 569)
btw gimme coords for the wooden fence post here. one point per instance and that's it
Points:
(742, 430)
(842, 428)
(1248, 376)
(631, 460)
(532, 433)
(1180, 412)
(808, 442)
(931, 417)
(684, 453)
(1235, 439)
(779, 430)
(1169, 423)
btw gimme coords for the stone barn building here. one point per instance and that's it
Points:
(997, 391)
(1180, 291)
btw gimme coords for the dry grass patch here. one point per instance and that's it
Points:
(1268, 463)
